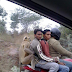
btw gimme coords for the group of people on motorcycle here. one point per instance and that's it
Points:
(48, 51)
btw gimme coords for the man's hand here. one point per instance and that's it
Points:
(56, 59)
(61, 63)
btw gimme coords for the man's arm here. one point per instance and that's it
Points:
(57, 46)
(35, 46)
(44, 57)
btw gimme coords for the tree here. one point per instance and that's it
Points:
(24, 17)
(15, 20)
(66, 38)
(65, 32)
(3, 13)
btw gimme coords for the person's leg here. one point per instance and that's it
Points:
(51, 66)
(63, 68)
(67, 63)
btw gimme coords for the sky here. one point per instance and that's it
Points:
(9, 7)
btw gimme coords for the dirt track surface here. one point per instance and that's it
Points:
(9, 56)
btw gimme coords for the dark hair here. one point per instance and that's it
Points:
(46, 30)
(36, 30)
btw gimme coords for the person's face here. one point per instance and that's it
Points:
(47, 36)
(38, 35)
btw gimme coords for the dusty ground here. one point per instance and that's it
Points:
(8, 56)
(9, 53)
